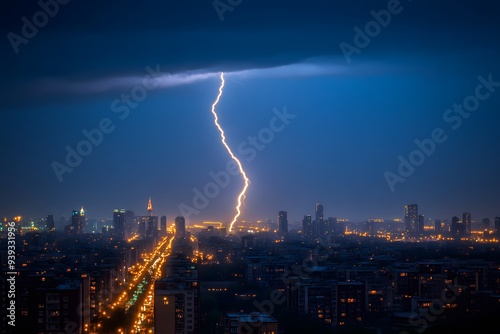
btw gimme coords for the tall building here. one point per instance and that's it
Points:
(486, 226)
(411, 220)
(180, 227)
(282, 222)
(497, 224)
(421, 224)
(467, 221)
(457, 227)
(119, 223)
(130, 224)
(320, 220)
(49, 223)
(177, 298)
(152, 222)
(255, 322)
(163, 225)
(177, 306)
(77, 221)
(307, 227)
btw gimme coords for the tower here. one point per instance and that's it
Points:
(119, 223)
(150, 207)
(49, 224)
(152, 221)
(180, 227)
(467, 221)
(282, 222)
(411, 220)
(320, 220)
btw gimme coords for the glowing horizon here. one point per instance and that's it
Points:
(241, 196)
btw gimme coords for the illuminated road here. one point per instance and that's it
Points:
(133, 308)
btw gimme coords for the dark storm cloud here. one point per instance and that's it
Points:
(89, 40)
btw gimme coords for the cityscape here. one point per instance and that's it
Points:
(249, 167)
(145, 273)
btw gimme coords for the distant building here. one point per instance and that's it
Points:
(307, 227)
(467, 221)
(163, 225)
(486, 226)
(249, 323)
(49, 223)
(180, 227)
(457, 227)
(320, 221)
(497, 225)
(119, 223)
(421, 224)
(411, 220)
(282, 222)
(152, 222)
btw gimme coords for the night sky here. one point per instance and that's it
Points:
(349, 118)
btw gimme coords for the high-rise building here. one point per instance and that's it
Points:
(497, 224)
(119, 223)
(49, 223)
(180, 227)
(282, 222)
(177, 306)
(486, 226)
(163, 225)
(467, 221)
(320, 220)
(421, 224)
(152, 222)
(77, 221)
(307, 227)
(255, 322)
(411, 220)
(130, 224)
(457, 227)
(177, 298)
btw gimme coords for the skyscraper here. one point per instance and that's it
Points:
(49, 224)
(180, 227)
(77, 221)
(320, 229)
(307, 226)
(119, 223)
(411, 220)
(282, 222)
(497, 225)
(467, 221)
(457, 227)
(152, 221)
(421, 223)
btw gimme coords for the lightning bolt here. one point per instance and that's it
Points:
(241, 196)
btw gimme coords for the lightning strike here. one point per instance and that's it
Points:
(241, 196)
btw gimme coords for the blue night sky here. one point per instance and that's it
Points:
(349, 119)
